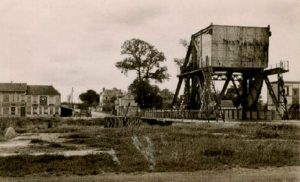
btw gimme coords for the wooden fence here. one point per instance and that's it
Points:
(229, 114)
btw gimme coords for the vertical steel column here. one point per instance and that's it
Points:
(244, 95)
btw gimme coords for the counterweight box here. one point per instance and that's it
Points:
(235, 47)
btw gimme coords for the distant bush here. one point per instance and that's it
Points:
(23, 124)
(218, 152)
(55, 145)
(266, 134)
(38, 141)
(87, 122)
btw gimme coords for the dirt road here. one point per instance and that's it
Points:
(235, 174)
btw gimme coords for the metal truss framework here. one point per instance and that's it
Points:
(200, 92)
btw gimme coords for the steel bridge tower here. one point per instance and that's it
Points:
(235, 54)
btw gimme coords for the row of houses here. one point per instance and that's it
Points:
(20, 99)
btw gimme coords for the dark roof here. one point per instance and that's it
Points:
(13, 87)
(111, 92)
(41, 90)
(214, 25)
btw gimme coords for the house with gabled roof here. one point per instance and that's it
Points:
(42, 100)
(12, 99)
(20, 99)
(108, 96)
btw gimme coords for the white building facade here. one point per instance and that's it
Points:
(126, 106)
(20, 100)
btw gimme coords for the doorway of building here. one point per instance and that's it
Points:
(23, 111)
(294, 109)
(295, 99)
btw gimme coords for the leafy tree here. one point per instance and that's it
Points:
(90, 98)
(167, 97)
(146, 95)
(144, 59)
(109, 105)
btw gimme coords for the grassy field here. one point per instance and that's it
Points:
(272, 174)
(180, 147)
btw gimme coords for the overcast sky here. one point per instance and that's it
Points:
(75, 43)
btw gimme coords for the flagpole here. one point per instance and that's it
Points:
(72, 98)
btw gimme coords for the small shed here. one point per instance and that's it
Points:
(66, 111)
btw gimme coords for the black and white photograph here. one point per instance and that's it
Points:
(150, 90)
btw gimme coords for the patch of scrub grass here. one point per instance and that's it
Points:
(55, 145)
(84, 122)
(175, 148)
(50, 144)
(46, 124)
(186, 148)
(78, 135)
(28, 123)
(80, 165)
(38, 141)
(257, 130)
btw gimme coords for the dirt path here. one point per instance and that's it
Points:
(235, 174)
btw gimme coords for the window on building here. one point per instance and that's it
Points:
(22, 98)
(295, 91)
(57, 100)
(35, 99)
(28, 99)
(287, 90)
(13, 111)
(5, 98)
(51, 99)
(56, 110)
(35, 110)
(51, 110)
(15, 97)
(45, 109)
(6, 110)
(43, 100)
(28, 110)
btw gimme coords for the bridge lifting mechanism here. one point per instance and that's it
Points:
(236, 54)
